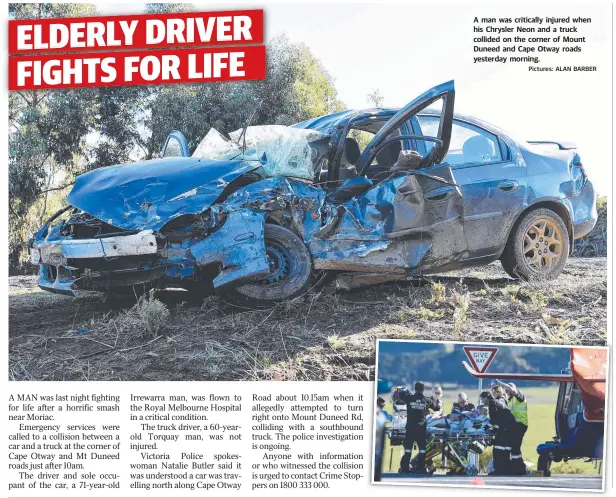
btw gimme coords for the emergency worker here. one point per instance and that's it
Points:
(503, 421)
(417, 406)
(462, 405)
(519, 408)
(437, 394)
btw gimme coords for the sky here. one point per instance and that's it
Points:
(404, 49)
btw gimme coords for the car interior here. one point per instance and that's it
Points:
(469, 144)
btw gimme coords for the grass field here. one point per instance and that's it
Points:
(321, 336)
(541, 404)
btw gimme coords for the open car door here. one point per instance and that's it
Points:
(175, 145)
(409, 219)
(444, 92)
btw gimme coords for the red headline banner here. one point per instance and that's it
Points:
(136, 31)
(137, 68)
(100, 51)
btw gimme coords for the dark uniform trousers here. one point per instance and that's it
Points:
(501, 452)
(416, 434)
(517, 462)
(378, 464)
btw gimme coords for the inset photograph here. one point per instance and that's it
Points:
(471, 414)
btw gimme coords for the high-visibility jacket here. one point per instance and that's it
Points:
(519, 409)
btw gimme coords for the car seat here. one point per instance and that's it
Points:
(388, 155)
(350, 156)
(386, 158)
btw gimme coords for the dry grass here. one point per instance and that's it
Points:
(316, 337)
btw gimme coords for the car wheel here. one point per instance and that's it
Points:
(290, 271)
(538, 246)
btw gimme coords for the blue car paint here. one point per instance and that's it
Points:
(392, 227)
(302, 202)
(239, 248)
(152, 193)
(584, 440)
(328, 124)
(403, 225)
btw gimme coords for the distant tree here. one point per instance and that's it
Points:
(47, 131)
(45, 10)
(297, 87)
(168, 8)
(313, 85)
(118, 124)
(375, 98)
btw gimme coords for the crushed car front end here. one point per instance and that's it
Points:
(79, 253)
(181, 221)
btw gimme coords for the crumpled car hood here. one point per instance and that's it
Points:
(149, 194)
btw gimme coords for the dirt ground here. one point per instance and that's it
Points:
(326, 336)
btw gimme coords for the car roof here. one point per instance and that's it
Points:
(330, 121)
(326, 124)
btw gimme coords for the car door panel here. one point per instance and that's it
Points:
(444, 91)
(394, 226)
(492, 196)
(409, 222)
(492, 186)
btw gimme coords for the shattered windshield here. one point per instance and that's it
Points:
(285, 151)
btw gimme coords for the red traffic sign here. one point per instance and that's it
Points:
(480, 357)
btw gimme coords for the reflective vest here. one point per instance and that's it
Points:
(519, 409)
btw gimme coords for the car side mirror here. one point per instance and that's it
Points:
(351, 188)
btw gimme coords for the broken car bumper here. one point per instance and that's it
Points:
(584, 208)
(235, 253)
(64, 263)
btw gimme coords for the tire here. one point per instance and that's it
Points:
(538, 246)
(291, 272)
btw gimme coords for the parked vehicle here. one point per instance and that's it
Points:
(265, 213)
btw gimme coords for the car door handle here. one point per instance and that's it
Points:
(439, 194)
(508, 186)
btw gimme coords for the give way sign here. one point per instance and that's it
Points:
(480, 357)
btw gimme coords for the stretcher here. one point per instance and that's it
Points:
(454, 442)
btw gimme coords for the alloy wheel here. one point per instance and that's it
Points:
(543, 245)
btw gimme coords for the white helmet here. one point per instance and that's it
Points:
(437, 392)
(462, 397)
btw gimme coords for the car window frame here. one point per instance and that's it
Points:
(170, 140)
(344, 131)
(181, 139)
(503, 147)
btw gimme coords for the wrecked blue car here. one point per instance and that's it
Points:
(266, 213)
